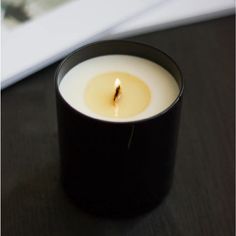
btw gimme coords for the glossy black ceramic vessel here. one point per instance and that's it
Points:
(104, 171)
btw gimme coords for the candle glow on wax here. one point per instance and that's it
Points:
(145, 88)
(103, 99)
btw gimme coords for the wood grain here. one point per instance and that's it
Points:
(202, 198)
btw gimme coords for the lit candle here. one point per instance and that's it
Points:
(118, 110)
(119, 88)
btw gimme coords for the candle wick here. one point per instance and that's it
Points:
(117, 94)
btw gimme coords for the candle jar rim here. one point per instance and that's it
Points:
(103, 43)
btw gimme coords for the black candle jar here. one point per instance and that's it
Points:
(102, 169)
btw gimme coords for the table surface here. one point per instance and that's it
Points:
(201, 201)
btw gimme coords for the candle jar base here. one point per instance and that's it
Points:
(115, 210)
(124, 183)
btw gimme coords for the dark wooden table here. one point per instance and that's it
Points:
(201, 202)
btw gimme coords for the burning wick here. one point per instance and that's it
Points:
(117, 94)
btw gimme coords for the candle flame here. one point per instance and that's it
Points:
(117, 83)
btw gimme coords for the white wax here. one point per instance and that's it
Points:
(163, 87)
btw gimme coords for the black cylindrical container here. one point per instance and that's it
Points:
(117, 169)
